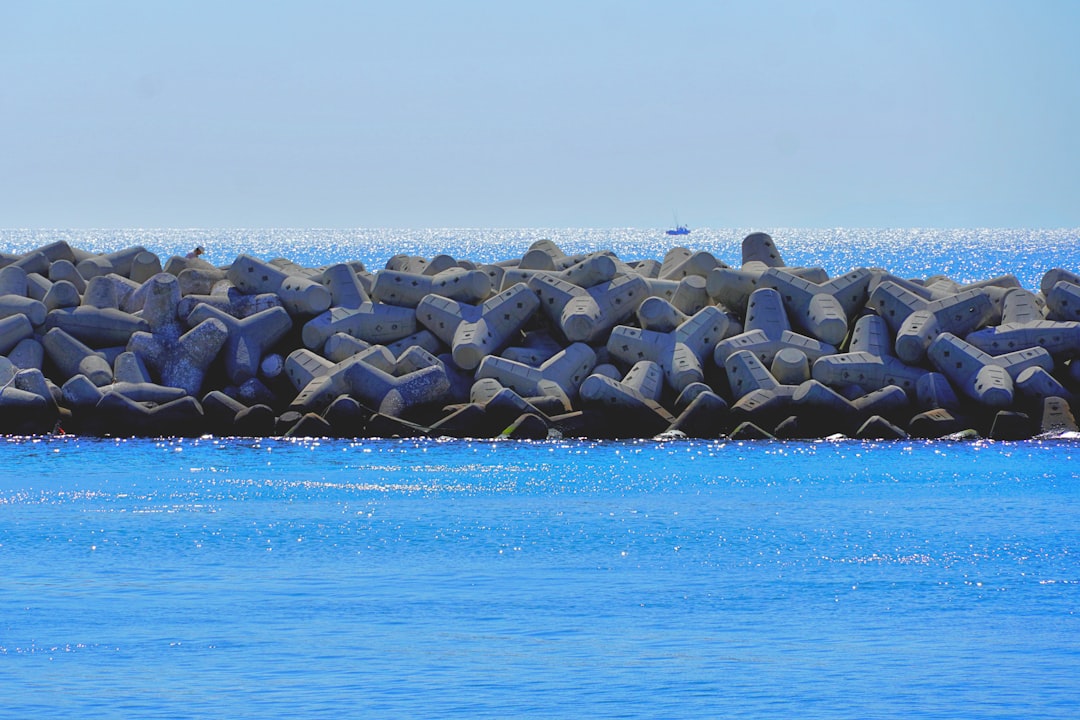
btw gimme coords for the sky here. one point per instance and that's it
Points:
(464, 113)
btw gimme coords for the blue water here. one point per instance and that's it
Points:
(435, 579)
(966, 255)
(216, 578)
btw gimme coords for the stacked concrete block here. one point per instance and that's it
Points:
(767, 330)
(587, 314)
(916, 321)
(1024, 326)
(632, 403)
(118, 263)
(249, 339)
(372, 322)
(870, 365)
(987, 379)
(821, 309)
(408, 289)
(565, 370)
(682, 352)
(679, 346)
(301, 296)
(475, 331)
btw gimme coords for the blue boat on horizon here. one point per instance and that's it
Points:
(679, 230)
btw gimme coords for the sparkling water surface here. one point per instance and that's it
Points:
(965, 255)
(435, 579)
(226, 578)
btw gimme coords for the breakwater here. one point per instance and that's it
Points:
(586, 345)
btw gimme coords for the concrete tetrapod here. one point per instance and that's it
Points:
(408, 289)
(371, 322)
(587, 314)
(759, 397)
(758, 249)
(300, 295)
(319, 382)
(821, 310)
(916, 321)
(394, 395)
(229, 300)
(567, 370)
(476, 331)
(13, 330)
(587, 271)
(659, 315)
(767, 331)
(181, 361)
(118, 262)
(631, 404)
(97, 327)
(870, 364)
(987, 379)
(682, 352)
(680, 262)
(14, 287)
(72, 358)
(1024, 326)
(346, 290)
(249, 338)
(65, 270)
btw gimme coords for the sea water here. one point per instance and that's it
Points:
(219, 577)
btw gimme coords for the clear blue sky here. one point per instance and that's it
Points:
(540, 114)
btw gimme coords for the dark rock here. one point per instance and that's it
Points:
(1010, 425)
(764, 408)
(347, 417)
(750, 431)
(791, 428)
(528, 426)
(936, 423)
(707, 416)
(255, 421)
(285, 422)
(468, 421)
(878, 428)
(220, 411)
(889, 402)
(311, 425)
(387, 426)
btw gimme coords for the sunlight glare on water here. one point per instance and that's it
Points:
(494, 579)
(966, 255)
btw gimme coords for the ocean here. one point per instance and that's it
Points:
(219, 577)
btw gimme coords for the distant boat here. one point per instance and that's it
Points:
(679, 230)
